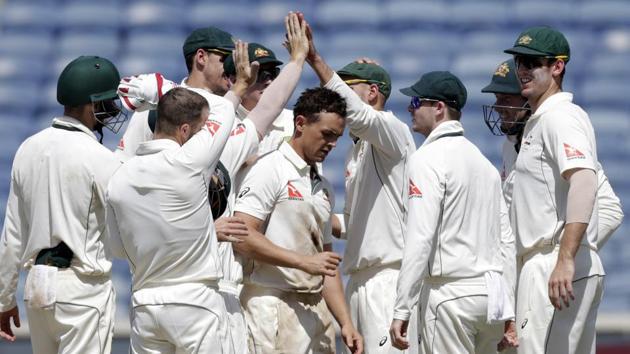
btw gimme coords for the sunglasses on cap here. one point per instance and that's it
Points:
(362, 81)
(220, 52)
(531, 62)
(267, 74)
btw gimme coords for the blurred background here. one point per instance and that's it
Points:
(39, 37)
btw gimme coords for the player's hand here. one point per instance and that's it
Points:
(561, 283)
(5, 323)
(323, 263)
(246, 72)
(296, 39)
(510, 338)
(366, 60)
(398, 334)
(142, 92)
(352, 339)
(312, 51)
(231, 229)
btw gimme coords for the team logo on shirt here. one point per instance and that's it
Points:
(213, 126)
(572, 153)
(294, 194)
(240, 129)
(414, 191)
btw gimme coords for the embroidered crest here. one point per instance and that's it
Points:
(259, 52)
(525, 40)
(502, 70)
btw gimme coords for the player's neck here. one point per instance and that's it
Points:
(196, 80)
(537, 102)
(82, 114)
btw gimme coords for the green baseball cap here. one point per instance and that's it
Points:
(504, 80)
(439, 85)
(208, 38)
(257, 52)
(541, 41)
(355, 73)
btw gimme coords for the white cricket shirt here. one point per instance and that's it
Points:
(557, 137)
(159, 214)
(454, 224)
(376, 183)
(281, 130)
(57, 194)
(295, 209)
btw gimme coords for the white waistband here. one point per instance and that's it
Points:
(478, 280)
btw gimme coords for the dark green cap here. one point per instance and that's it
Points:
(370, 73)
(504, 80)
(208, 38)
(541, 41)
(439, 85)
(257, 52)
(87, 79)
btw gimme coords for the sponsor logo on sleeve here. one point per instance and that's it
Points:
(572, 153)
(213, 126)
(240, 129)
(414, 191)
(121, 144)
(244, 191)
(293, 193)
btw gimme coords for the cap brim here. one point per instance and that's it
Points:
(498, 88)
(525, 51)
(408, 91)
(268, 60)
(107, 95)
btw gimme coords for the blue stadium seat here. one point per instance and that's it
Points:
(155, 15)
(158, 44)
(604, 13)
(229, 17)
(16, 97)
(28, 16)
(487, 41)
(271, 13)
(171, 65)
(608, 65)
(477, 14)
(427, 42)
(74, 44)
(477, 65)
(605, 91)
(333, 15)
(81, 16)
(405, 65)
(22, 67)
(34, 44)
(616, 40)
(547, 12)
(412, 14)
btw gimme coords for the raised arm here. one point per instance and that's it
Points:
(275, 97)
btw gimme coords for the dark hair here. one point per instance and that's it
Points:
(179, 106)
(189, 62)
(319, 100)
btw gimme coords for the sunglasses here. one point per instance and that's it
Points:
(267, 74)
(416, 102)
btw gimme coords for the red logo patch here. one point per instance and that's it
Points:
(121, 144)
(572, 153)
(213, 126)
(294, 194)
(240, 129)
(414, 191)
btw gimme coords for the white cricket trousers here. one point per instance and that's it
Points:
(541, 328)
(371, 296)
(287, 322)
(238, 328)
(82, 319)
(454, 317)
(181, 327)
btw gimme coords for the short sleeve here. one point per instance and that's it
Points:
(259, 190)
(569, 140)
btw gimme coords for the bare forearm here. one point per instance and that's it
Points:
(258, 247)
(571, 240)
(321, 68)
(335, 300)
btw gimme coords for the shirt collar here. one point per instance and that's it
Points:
(155, 146)
(290, 154)
(74, 123)
(448, 127)
(551, 102)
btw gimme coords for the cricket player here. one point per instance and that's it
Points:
(282, 127)
(375, 207)
(287, 205)
(455, 245)
(55, 221)
(158, 215)
(507, 117)
(554, 208)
